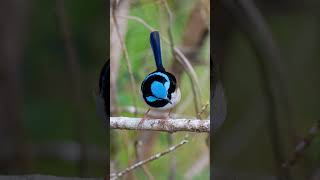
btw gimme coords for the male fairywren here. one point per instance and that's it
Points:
(159, 89)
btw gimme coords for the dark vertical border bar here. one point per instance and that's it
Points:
(107, 95)
(218, 100)
(103, 99)
(212, 83)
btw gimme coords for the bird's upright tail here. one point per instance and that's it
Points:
(156, 48)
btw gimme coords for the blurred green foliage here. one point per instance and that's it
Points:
(49, 113)
(142, 61)
(243, 145)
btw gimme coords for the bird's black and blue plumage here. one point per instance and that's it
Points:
(103, 94)
(159, 89)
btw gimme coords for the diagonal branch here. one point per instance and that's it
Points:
(171, 125)
(152, 158)
(303, 145)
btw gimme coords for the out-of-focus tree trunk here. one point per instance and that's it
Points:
(121, 9)
(115, 53)
(193, 38)
(14, 151)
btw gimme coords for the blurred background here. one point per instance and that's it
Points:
(51, 53)
(132, 21)
(268, 58)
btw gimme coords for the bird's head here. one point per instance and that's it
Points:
(158, 89)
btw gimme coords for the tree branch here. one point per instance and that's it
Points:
(303, 145)
(171, 125)
(152, 158)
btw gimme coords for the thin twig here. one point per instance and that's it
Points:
(183, 106)
(138, 20)
(116, 53)
(171, 125)
(126, 55)
(173, 159)
(145, 169)
(193, 76)
(152, 158)
(302, 146)
(203, 109)
(175, 53)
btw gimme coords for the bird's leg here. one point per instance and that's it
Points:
(169, 114)
(144, 117)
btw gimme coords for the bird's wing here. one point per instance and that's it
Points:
(158, 90)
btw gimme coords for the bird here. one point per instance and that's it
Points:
(159, 89)
(102, 96)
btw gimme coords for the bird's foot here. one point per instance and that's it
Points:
(169, 114)
(143, 119)
(141, 122)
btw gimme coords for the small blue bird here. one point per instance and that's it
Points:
(159, 89)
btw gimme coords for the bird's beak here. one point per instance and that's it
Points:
(169, 101)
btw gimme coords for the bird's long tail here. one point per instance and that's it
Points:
(155, 44)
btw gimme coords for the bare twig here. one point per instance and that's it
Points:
(171, 125)
(126, 55)
(192, 75)
(152, 158)
(145, 169)
(177, 54)
(302, 146)
(138, 20)
(173, 159)
(184, 105)
(116, 51)
(203, 109)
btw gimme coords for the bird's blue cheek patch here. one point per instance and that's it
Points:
(158, 90)
(167, 85)
(151, 98)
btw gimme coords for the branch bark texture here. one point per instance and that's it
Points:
(170, 125)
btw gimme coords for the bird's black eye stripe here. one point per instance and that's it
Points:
(173, 83)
